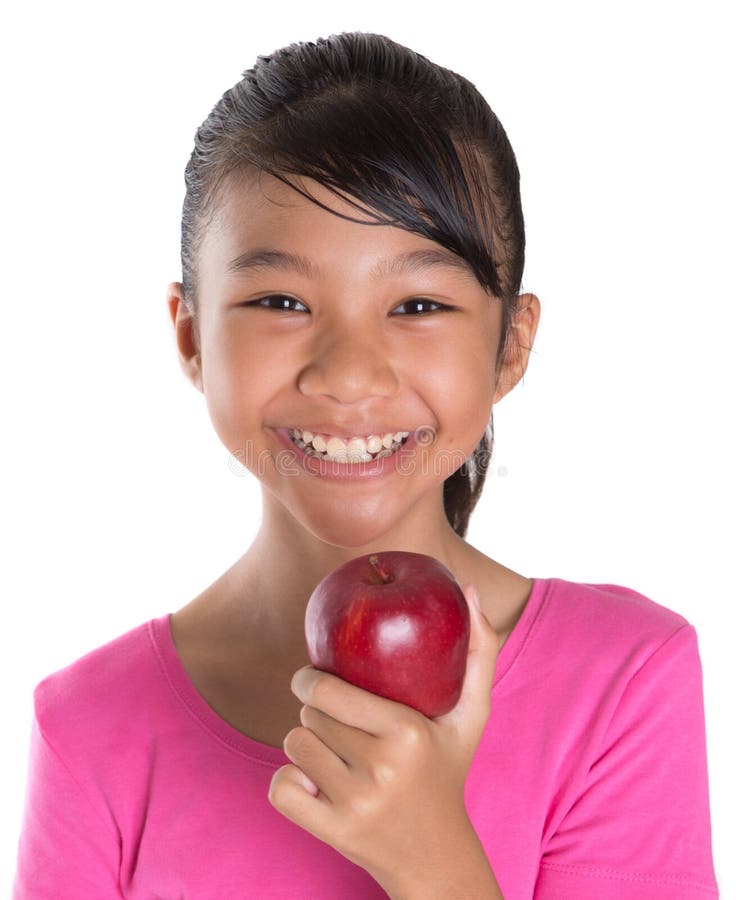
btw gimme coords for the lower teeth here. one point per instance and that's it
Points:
(366, 457)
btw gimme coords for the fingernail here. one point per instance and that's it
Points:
(298, 682)
(309, 784)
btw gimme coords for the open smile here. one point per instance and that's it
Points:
(358, 464)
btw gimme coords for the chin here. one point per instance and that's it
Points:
(352, 537)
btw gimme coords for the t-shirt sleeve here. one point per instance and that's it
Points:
(66, 851)
(640, 826)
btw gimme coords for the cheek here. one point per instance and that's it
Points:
(235, 387)
(460, 388)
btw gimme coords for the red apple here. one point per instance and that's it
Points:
(394, 623)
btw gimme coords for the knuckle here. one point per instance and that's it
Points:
(363, 805)
(385, 774)
(412, 735)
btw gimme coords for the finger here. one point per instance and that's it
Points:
(288, 794)
(316, 760)
(348, 703)
(301, 780)
(352, 745)
(474, 704)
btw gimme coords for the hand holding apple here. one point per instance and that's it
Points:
(383, 783)
(394, 623)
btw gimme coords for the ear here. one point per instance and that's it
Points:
(186, 330)
(524, 328)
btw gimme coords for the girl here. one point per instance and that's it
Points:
(350, 308)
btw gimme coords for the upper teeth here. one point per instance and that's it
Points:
(353, 447)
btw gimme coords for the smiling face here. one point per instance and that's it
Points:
(364, 325)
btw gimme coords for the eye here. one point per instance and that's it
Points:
(276, 297)
(422, 301)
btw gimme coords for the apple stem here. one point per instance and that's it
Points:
(381, 570)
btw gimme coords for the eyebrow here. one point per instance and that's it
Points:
(410, 262)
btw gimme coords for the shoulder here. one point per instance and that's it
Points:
(599, 659)
(599, 629)
(603, 606)
(81, 699)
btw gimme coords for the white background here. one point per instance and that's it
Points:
(613, 457)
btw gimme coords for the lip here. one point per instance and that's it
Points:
(355, 471)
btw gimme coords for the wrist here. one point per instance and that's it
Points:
(462, 872)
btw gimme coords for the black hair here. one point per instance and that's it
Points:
(414, 142)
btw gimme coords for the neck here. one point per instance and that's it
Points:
(269, 587)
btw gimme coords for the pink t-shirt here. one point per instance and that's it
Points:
(590, 779)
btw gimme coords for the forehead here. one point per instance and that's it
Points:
(254, 211)
(254, 193)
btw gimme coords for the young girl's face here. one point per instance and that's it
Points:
(350, 348)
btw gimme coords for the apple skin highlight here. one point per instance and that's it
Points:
(394, 623)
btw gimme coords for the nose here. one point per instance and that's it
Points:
(349, 364)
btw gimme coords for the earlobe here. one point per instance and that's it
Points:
(185, 334)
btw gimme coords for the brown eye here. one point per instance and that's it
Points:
(423, 302)
(279, 298)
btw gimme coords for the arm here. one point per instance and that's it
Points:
(66, 849)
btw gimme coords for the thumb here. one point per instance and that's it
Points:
(474, 705)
